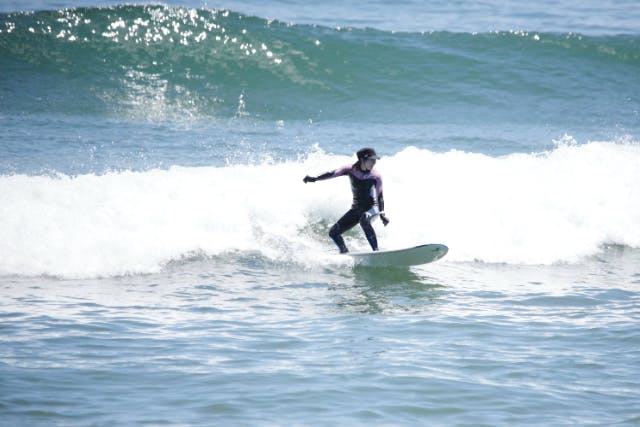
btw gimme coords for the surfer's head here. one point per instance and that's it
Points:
(366, 158)
(367, 153)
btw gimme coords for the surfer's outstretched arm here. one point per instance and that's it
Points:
(327, 175)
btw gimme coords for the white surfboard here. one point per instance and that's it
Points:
(418, 255)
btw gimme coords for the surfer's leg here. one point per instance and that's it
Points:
(369, 232)
(347, 222)
(334, 233)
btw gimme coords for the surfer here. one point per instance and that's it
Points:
(366, 186)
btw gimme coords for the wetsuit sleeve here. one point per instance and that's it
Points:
(334, 174)
(379, 193)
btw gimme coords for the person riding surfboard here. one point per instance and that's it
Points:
(368, 202)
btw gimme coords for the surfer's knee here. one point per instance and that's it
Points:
(365, 219)
(336, 235)
(334, 231)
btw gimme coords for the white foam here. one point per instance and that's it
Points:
(522, 208)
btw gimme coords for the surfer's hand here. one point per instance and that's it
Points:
(309, 179)
(384, 219)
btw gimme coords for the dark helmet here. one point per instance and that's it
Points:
(367, 153)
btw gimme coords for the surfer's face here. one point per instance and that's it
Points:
(368, 164)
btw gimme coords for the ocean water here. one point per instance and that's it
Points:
(162, 263)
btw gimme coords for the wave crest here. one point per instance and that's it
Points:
(543, 208)
(160, 62)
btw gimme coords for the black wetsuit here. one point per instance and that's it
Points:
(366, 187)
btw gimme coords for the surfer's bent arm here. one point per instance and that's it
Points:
(378, 193)
(380, 200)
(328, 175)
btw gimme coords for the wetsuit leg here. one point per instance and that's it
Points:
(369, 232)
(347, 222)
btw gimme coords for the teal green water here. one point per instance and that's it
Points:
(94, 61)
(162, 262)
(231, 79)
